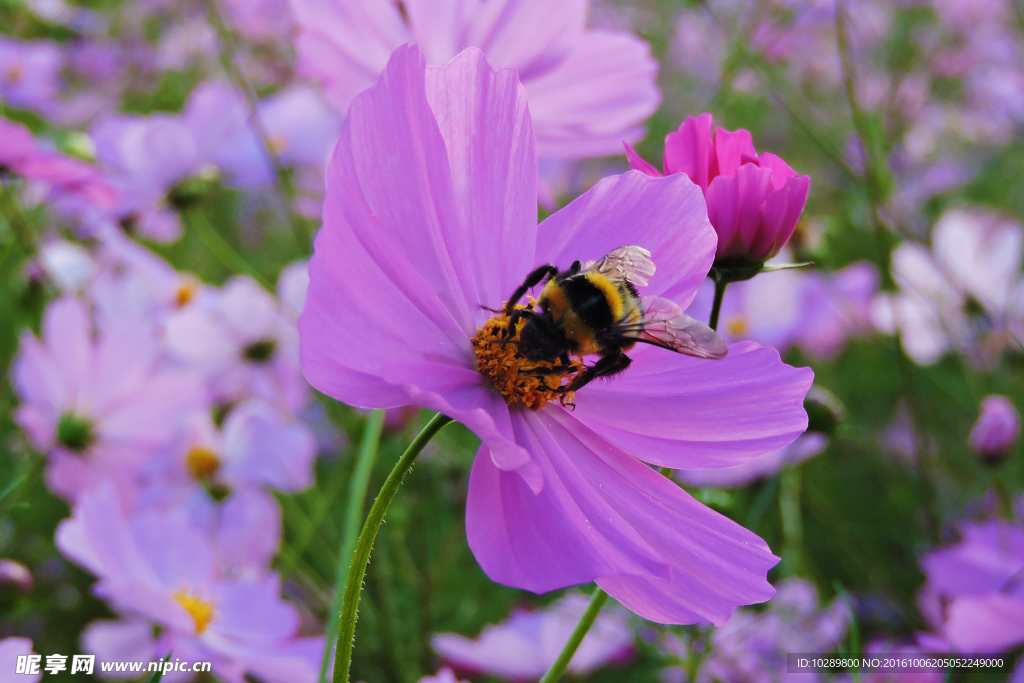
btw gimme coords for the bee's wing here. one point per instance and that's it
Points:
(631, 263)
(664, 324)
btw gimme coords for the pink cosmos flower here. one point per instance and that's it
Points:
(754, 201)
(30, 74)
(241, 340)
(23, 156)
(430, 216)
(589, 89)
(159, 570)
(10, 650)
(256, 447)
(974, 596)
(966, 293)
(995, 434)
(525, 646)
(98, 404)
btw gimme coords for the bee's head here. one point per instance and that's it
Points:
(542, 340)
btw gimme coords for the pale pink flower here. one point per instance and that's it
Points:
(589, 89)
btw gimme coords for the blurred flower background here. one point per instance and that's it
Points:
(170, 482)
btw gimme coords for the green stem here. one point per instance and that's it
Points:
(221, 248)
(562, 663)
(364, 545)
(356, 499)
(716, 307)
(228, 55)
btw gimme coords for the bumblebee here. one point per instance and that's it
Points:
(595, 310)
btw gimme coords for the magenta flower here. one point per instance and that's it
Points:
(995, 434)
(589, 89)
(159, 570)
(974, 595)
(429, 217)
(754, 201)
(23, 156)
(100, 405)
(524, 646)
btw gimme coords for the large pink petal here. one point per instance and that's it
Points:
(488, 135)
(689, 413)
(604, 515)
(381, 257)
(595, 98)
(664, 215)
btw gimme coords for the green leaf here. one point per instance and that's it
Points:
(157, 675)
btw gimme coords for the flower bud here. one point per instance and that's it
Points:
(14, 577)
(754, 201)
(995, 434)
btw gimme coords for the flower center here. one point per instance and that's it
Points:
(259, 351)
(15, 73)
(532, 383)
(186, 292)
(74, 432)
(737, 326)
(201, 610)
(202, 462)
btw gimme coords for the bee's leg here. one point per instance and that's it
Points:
(514, 319)
(532, 280)
(608, 365)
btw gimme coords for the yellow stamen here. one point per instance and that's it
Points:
(736, 326)
(202, 462)
(201, 610)
(186, 292)
(515, 377)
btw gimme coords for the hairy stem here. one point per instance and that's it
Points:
(364, 545)
(358, 485)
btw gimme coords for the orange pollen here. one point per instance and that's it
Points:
(519, 380)
(185, 293)
(201, 610)
(15, 73)
(202, 462)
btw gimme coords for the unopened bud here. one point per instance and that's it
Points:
(994, 436)
(824, 411)
(14, 577)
